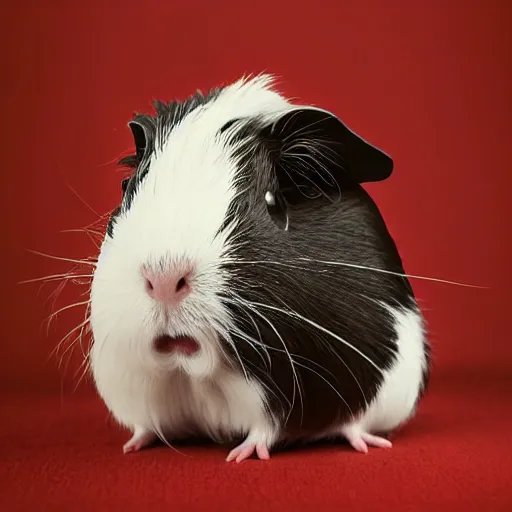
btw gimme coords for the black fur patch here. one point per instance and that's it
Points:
(284, 297)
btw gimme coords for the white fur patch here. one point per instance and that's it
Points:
(175, 215)
(397, 397)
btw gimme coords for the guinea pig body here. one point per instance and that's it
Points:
(247, 286)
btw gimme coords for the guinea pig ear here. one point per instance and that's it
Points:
(141, 127)
(316, 148)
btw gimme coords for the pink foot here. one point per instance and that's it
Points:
(361, 440)
(141, 438)
(246, 449)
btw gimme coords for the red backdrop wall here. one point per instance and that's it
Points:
(427, 81)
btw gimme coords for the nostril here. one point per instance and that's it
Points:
(182, 283)
(149, 285)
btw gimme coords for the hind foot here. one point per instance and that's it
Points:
(361, 440)
(141, 439)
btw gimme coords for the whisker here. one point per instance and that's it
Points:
(66, 365)
(250, 342)
(277, 263)
(332, 351)
(329, 384)
(56, 293)
(363, 267)
(83, 230)
(57, 347)
(294, 314)
(55, 277)
(356, 266)
(60, 258)
(313, 371)
(69, 349)
(296, 383)
(86, 364)
(233, 346)
(83, 200)
(90, 233)
(158, 431)
(244, 335)
(270, 390)
(65, 308)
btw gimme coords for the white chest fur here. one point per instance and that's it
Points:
(177, 406)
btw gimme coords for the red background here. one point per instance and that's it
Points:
(429, 82)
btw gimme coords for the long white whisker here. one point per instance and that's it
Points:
(250, 341)
(158, 431)
(56, 293)
(268, 347)
(245, 336)
(69, 348)
(56, 277)
(316, 364)
(270, 390)
(84, 202)
(294, 314)
(332, 351)
(76, 304)
(90, 233)
(316, 373)
(60, 258)
(360, 267)
(363, 267)
(233, 346)
(85, 323)
(296, 381)
(57, 347)
(78, 339)
(329, 384)
(86, 365)
(235, 262)
(83, 230)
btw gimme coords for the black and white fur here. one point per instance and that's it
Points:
(308, 327)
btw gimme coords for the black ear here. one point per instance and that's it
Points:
(313, 149)
(142, 128)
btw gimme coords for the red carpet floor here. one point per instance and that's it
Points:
(456, 455)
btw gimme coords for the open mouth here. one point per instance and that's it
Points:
(180, 344)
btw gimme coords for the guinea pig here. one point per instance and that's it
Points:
(247, 288)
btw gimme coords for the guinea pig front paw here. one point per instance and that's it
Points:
(256, 442)
(141, 438)
(246, 449)
(360, 440)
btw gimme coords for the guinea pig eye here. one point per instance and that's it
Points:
(276, 208)
(124, 184)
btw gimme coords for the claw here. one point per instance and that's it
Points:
(361, 440)
(246, 449)
(141, 439)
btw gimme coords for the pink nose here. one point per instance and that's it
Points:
(168, 288)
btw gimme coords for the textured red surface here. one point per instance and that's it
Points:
(429, 82)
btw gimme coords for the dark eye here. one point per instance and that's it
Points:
(124, 184)
(277, 209)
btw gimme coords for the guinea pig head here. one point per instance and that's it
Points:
(215, 187)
